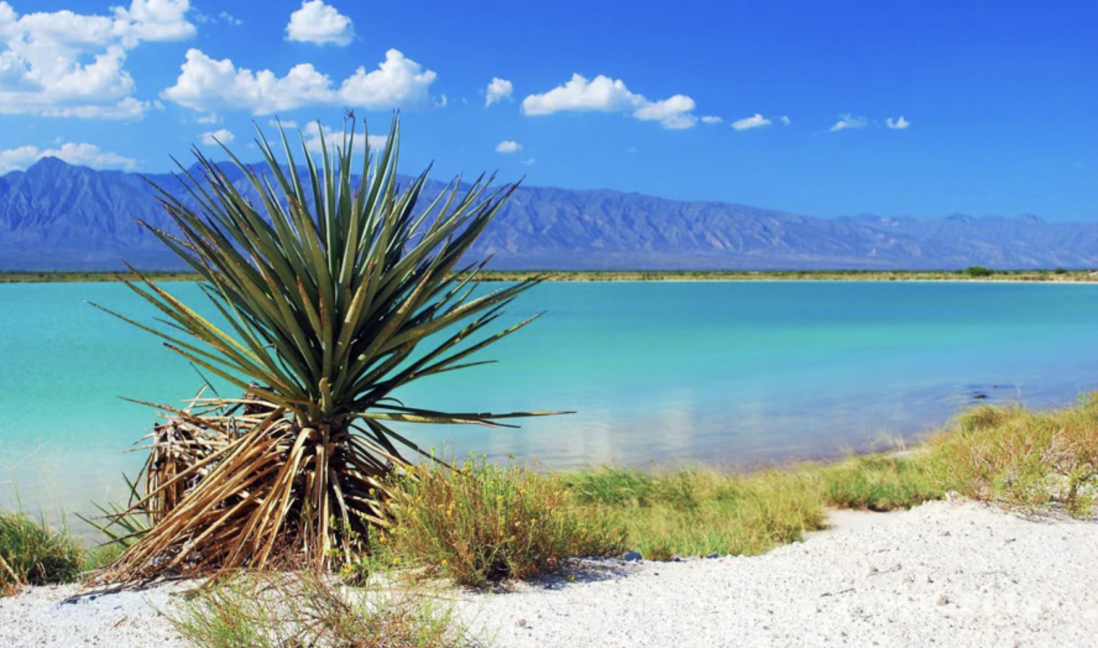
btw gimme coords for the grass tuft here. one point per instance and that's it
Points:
(1037, 459)
(304, 609)
(881, 483)
(484, 523)
(700, 511)
(33, 554)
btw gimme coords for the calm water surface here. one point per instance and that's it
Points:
(730, 373)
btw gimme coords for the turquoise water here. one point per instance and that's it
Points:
(728, 373)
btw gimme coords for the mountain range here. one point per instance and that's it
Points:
(57, 216)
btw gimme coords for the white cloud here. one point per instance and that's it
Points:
(213, 138)
(674, 112)
(321, 24)
(212, 118)
(897, 124)
(83, 154)
(286, 123)
(528, 161)
(849, 122)
(126, 109)
(397, 81)
(223, 17)
(66, 64)
(508, 146)
(603, 94)
(498, 90)
(754, 121)
(153, 20)
(710, 119)
(207, 84)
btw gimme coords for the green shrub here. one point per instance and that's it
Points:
(484, 523)
(33, 554)
(978, 271)
(1060, 271)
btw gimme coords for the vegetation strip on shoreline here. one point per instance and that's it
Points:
(974, 273)
(480, 523)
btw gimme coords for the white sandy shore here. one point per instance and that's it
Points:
(944, 574)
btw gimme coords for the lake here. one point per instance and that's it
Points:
(736, 374)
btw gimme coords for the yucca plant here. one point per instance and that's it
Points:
(328, 285)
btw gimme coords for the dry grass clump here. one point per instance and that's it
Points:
(305, 609)
(483, 523)
(699, 511)
(1018, 456)
(33, 554)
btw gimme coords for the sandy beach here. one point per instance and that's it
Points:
(943, 574)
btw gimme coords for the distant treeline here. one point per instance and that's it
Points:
(975, 273)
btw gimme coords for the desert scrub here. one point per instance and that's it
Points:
(700, 511)
(481, 523)
(1017, 456)
(33, 554)
(279, 610)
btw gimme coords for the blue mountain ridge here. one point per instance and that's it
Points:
(57, 216)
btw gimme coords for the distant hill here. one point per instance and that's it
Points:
(56, 216)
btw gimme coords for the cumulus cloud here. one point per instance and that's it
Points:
(508, 146)
(213, 138)
(498, 90)
(83, 154)
(528, 161)
(710, 119)
(849, 122)
(754, 121)
(897, 124)
(206, 84)
(675, 112)
(600, 94)
(785, 120)
(397, 81)
(66, 64)
(153, 20)
(603, 94)
(321, 24)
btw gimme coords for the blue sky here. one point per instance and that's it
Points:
(975, 107)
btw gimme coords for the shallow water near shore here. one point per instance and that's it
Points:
(728, 373)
